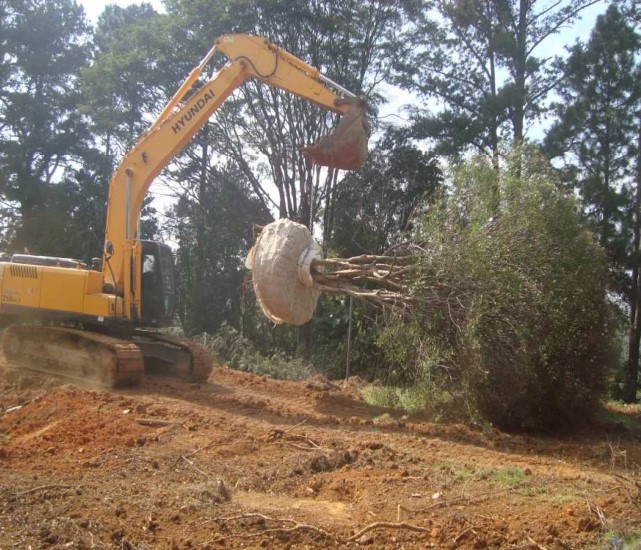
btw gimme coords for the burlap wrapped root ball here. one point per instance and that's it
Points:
(280, 262)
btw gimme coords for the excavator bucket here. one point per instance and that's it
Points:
(346, 147)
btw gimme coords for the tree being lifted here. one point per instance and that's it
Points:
(505, 315)
(289, 274)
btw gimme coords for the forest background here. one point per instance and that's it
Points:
(482, 74)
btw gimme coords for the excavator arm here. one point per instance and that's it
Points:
(249, 57)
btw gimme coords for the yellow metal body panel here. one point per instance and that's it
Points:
(93, 284)
(21, 285)
(102, 305)
(65, 291)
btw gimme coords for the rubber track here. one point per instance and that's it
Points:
(122, 365)
(201, 359)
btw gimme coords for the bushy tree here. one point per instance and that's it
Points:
(375, 205)
(596, 124)
(214, 232)
(373, 210)
(512, 315)
(120, 88)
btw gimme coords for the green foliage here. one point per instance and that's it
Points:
(439, 403)
(241, 354)
(508, 477)
(616, 540)
(596, 127)
(374, 209)
(596, 137)
(213, 230)
(331, 325)
(121, 85)
(512, 310)
(616, 417)
(479, 60)
(375, 204)
(44, 47)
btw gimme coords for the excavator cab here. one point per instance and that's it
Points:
(158, 285)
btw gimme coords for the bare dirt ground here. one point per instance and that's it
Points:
(244, 461)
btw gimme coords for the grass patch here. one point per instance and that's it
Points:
(440, 405)
(621, 417)
(466, 473)
(613, 540)
(567, 496)
(393, 398)
(508, 477)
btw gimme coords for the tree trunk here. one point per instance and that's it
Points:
(634, 337)
(634, 333)
(520, 69)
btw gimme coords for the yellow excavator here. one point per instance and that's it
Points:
(99, 323)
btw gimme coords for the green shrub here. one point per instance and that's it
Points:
(241, 354)
(613, 540)
(512, 312)
(439, 403)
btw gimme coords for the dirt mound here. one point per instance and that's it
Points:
(244, 461)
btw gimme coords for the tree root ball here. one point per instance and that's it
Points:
(280, 261)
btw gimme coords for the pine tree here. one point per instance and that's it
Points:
(478, 62)
(597, 138)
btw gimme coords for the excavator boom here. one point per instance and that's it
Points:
(249, 57)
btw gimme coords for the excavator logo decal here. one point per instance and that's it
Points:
(12, 296)
(193, 111)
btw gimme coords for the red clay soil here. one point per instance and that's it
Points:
(247, 462)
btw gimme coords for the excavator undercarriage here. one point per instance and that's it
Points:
(101, 359)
